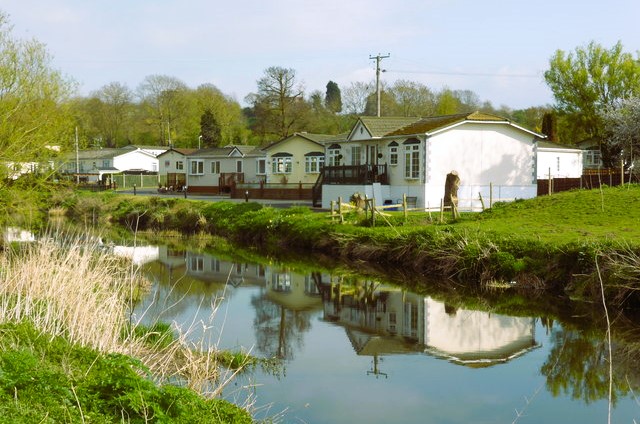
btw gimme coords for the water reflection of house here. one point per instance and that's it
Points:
(18, 235)
(292, 290)
(476, 337)
(139, 255)
(383, 321)
(206, 267)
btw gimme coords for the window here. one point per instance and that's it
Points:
(106, 163)
(313, 162)
(558, 164)
(334, 155)
(412, 161)
(261, 166)
(197, 167)
(356, 152)
(393, 153)
(196, 264)
(215, 167)
(167, 163)
(154, 167)
(179, 165)
(281, 165)
(239, 166)
(215, 264)
(592, 158)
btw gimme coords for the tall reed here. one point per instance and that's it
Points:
(76, 290)
(66, 289)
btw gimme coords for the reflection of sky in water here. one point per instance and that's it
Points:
(326, 381)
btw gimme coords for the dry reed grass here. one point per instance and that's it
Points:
(76, 290)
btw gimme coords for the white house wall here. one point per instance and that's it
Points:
(136, 160)
(482, 155)
(562, 163)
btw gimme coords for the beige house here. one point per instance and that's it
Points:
(297, 158)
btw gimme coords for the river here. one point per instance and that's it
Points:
(354, 349)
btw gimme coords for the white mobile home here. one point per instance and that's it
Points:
(387, 158)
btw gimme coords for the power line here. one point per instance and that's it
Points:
(467, 74)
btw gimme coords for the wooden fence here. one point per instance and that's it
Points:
(374, 212)
(591, 179)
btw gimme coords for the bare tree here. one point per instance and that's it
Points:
(354, 97)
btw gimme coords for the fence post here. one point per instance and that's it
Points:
(481, 200)
(340, 210)
(549, 189)
(404, 205)
(441, 211)
(621, 172)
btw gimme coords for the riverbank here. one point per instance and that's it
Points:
(566, 243)
(69, 351)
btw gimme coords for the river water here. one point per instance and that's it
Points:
(356, 350)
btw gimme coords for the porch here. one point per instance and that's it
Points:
(349, 175)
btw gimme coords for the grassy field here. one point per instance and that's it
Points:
(612, 214)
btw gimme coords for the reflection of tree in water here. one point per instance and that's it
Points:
(279, 331)
(578, 364)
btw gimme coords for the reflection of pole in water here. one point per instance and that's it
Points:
(375, 370)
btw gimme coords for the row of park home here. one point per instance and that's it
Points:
(384, 158)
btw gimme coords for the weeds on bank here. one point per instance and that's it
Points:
(68, 347)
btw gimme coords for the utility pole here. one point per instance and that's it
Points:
(378, 58)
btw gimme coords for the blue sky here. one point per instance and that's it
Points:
(497, 48)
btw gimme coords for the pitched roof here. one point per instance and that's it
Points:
(315, 138)
(182, 151)
(431, 124)
(552, 145)
(381, 126)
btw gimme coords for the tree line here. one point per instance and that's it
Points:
(595, 89)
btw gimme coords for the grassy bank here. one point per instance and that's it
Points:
(555, 243)
(68, 352)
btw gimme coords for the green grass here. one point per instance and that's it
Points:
(49, 380)
(569, 217)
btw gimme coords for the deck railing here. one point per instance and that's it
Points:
(355, 174)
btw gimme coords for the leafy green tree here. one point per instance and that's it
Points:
(413, 98)
(33, 113)
(588, 81)
(226, 112)
(163, 101)
(210, 129)
(333, 97)
(447, 103)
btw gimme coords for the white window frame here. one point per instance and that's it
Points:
(356, 155)
(412, 161)
(334, 157)
(261, 166)
(393, 155)
(215, 167)
(179, 165)
(313, 164)
(282, 165)
(196, 167)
